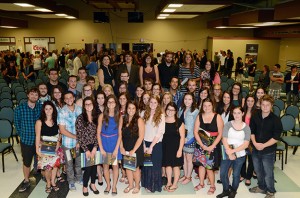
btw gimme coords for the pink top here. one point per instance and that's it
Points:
(152, 131)
(247, 120)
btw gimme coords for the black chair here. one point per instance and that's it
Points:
(6, 133)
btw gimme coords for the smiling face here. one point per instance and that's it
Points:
(170, 111)
(226, 99)
(203, 94)
(107, 91)
(153, 104)
(188, 58)
(188, 101)
(156, 90)
(111, 103)
(139, 91)
(100, 99)
(131, 109)
(250, 102)
(207, 66)
(146, 99)
(122, 100)
(48, 110)
(57, 94)
(260, 93)
(166, 99)
(207, 107)
(106, 61)
(88, 105)
(237, 114)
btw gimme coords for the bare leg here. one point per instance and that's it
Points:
(169, 175)
(106, 176)
(100, 172)
(53, 175)
(202, 175)
(115, 177)
(26, 172)
(176, 172)
(129, 174)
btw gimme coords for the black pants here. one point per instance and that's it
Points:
(89, 172)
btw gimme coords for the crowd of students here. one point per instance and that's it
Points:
(178, 114)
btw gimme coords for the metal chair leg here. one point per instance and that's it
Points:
(3, 162)
(14, 153)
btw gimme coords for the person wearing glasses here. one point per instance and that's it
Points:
(86, 92)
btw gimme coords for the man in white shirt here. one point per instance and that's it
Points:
(77, 62)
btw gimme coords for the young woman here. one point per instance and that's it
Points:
(236, 137)
(109, 139)
(148, 70)
(249, 110)
(86, 132)
(105, 73)
(207, 151)
(166, 99)
(216, 95)
(57, 98)
(123, 100)
(144, 102)
(27, 70)
(47, 126)
(203, 94)
(86, 92)
(210, 74)
(259, 93)
(225, 107)
(188, 70)
(154, 131)
(100, 102)
(236, 95)
(172, 146)
(138, 94)
(132, 127)
(156, 90)
(187, 114)
(108, 90)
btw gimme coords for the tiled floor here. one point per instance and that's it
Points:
(11, 179)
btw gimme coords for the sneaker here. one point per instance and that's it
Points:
(72, 187)
(225, 193)
(24, 186)
(256, 189)
(270, 195)
(80, 182)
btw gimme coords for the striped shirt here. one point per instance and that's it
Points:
(68, 118)
(24, 120)
(186, 73)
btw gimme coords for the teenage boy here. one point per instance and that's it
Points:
(82, 79)
(25, 116)
(66, 121)
(132, 69)
(43, 92)
(276, 80)
(72, 83)
(90, 80)
(53, 80)
(266, 129)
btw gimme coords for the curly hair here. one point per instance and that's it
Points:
(158, 112)
(133, 124)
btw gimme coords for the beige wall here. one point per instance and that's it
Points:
(164, 34)
(289, 51)
(268, 50)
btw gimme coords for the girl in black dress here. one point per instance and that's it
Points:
(132, 127)
(172, 143)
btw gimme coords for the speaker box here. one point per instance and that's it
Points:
(101, 17)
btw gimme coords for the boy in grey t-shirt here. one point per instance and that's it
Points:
(276, 80)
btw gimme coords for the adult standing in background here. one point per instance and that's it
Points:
(53, 81)
(292, 81)
(239, 69)
(228, 65)
(266, 130)
(92, 68)
(49, 62)
(277, 79)
(105, 73)
(217, 58)
(82, 79)
(77, 62)
(251, 73)
(188, 70)
(84, 58)
(167, 70)
(264, 78)
(148, 70)
(222, 62)
(25, 116)
(203, 59)
(133, 70)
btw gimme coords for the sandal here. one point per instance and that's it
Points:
(60, 179)
(48, 189)
(211, 190)
(122, 179)
(186, 180)
(127, 189)
(199, 187)
(181, 179)
(55, 188)
(172, 189)
(136, 190)
(196, 177)
(166, 188)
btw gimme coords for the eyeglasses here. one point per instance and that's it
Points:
(172, 110)
(124, 76)
(88, 90)
(88, 104)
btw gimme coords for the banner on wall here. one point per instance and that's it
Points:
(37, 44)
(251, 53)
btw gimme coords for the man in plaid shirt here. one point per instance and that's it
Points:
(26, 114)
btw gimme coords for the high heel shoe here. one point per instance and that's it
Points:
(96, 192)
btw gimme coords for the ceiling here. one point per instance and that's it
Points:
(221, 13)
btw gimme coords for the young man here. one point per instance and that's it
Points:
(276, 80)
(43, 91)
(50, 61)
(124, 76)
(167, 70)
(192, 88)
(72, 83)
(90, 80)
(66, 121)
(26, 114)
(82, 79)
(77, 62)
(53, 80)
(266, 129)
(177, 96)
(133, 70)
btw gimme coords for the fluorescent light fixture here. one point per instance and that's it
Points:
(175, 5)
(250, 27)
(43, 10)
(161, 17)
(70, 17)
(61, 15)
(221, 27)
(267, 23)
(24, 5)
(169, 10)
(4, 26)
(164, 15)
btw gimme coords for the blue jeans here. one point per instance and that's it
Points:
(236, 166)
(264, 169)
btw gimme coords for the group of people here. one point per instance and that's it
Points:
(176, 116)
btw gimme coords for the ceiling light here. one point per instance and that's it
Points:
(164, 15)
(169, 10)
(161, 17)
(43, 10)
(175, 5)
(267, 23)
(61, 15)
(250, 27)
(221, 27)
(24, 5)
(4, 26)
(70, 17)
